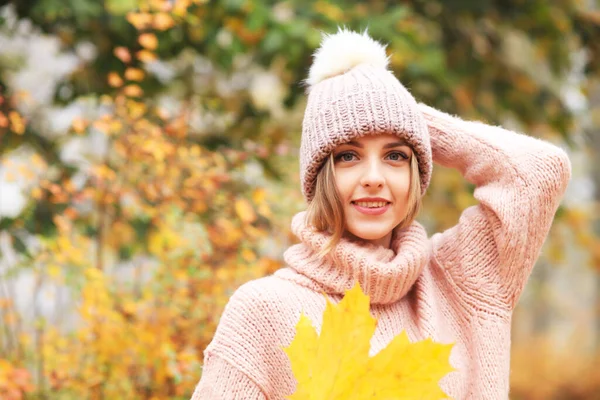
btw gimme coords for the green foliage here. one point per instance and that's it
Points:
(176, 185)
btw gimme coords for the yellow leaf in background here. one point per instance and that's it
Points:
(122, 53)
(399, 59)
(36, 193)
(3, 120)
(134, 74)
(5, 366)
(38, 161)
(196, 150)
(16, 122)
(148, 41)
(53, 270)
(114, 80)
(331, 11)
(336, 365)
(259, 195)
(264, 210)
(139, 20)
(10, 177)
(136, 109)
(163, 21)
(129, 306)
(145, 56)
(163, 241)
(248, 255)
(79, 125)
(181, 7)
(464, 200)
(26, 172)
(114, 127)
(93, 274)
(133, 91)
(160, 5)
(244, 210)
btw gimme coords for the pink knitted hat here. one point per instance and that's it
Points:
(351, 94)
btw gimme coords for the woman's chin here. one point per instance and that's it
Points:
(369, 232)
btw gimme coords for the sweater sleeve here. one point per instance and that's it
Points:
(519, 181)
(222, 381)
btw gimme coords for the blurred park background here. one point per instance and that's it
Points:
(148, 167)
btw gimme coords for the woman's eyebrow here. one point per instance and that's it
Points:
(355, 144)
(395, 144)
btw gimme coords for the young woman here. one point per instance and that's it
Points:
(366, 156)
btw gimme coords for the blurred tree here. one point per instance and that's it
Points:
(481, 59)
(594, 139)
(191, 109)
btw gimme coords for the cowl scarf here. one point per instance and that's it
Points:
(385, 274)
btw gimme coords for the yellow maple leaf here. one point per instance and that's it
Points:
(335, 365)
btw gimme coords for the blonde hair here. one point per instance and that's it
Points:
(325, 212)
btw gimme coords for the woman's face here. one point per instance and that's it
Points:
(372, 175)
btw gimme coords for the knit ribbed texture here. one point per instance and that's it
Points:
(366, 100)
(223, 375)
(385, 275)
(465, 292)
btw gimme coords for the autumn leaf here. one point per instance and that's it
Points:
(17, 123)
(163, 21)
(123, 54)
(145, 56)
(133, 91)
(148, 41)
(134, 74)
(114, 80)
(244, 210)
(336, 365)
(139, 20)
(79, 125)
(3, 119)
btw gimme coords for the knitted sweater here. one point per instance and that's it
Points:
(458, 286)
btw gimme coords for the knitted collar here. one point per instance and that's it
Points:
(385, 274)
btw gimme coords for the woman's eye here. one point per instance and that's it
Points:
(345, 156)
(400, 156)
(395, 156)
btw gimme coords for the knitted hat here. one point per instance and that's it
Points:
(352, 94)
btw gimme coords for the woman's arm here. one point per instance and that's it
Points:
(222, 381)
(520, 181)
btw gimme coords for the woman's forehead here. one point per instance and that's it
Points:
(383, 139)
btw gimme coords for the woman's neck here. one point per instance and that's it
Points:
(386, 274)
(384, 241)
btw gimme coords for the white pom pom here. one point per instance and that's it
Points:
(342, 51)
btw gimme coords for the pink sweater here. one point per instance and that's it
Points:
(458, 286)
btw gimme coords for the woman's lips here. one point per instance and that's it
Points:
(372, 211)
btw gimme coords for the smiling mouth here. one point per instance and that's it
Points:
(371, 204)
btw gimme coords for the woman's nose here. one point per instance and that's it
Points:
(372, 176)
